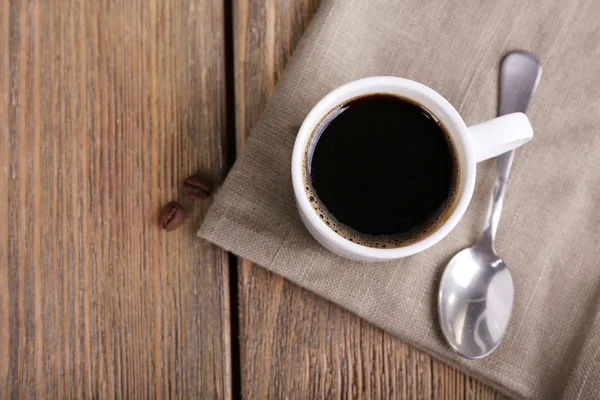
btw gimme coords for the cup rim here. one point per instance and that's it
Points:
(414, 91)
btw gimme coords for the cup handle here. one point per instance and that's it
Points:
(499, 135)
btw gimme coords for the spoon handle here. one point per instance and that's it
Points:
(520, 73)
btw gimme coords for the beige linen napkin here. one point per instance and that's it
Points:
(549, 231)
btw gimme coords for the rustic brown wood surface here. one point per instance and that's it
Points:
(105, 106)
(292, 343)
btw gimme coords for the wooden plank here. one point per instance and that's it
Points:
(104, 108)
(293, 343)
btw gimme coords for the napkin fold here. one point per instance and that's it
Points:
(549, 231)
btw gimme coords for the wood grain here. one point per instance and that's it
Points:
(292, 343)
(105, 107)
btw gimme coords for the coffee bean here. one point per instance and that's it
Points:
(171, 216)
(196, 187)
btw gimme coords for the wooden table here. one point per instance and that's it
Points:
(105, 107)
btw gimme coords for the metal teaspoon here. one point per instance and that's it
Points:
(476, 291)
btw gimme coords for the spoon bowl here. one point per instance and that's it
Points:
(475, 301)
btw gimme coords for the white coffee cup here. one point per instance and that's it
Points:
(474, 144)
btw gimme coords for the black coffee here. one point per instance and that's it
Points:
(383, 171)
